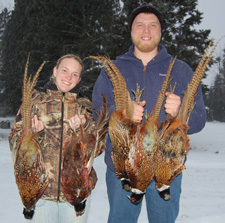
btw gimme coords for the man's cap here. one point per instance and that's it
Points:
(146, 7)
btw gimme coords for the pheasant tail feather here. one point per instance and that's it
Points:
(161, 96)
(28, 86)
(122, 97)
(188, 100)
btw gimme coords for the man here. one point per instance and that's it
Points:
(146, 63)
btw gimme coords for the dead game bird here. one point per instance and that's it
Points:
(174, 142)
(142, 161)
(133, 144)
(78, 175)
(120, 124)
(29, 168)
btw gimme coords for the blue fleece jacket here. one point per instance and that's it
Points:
(150, 79)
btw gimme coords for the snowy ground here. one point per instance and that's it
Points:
(203, 196)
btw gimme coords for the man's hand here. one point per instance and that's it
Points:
(138, 111)
(172, 104)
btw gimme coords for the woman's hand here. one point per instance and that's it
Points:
(37, 125)
(76, 121)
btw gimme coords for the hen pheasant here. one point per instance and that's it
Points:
(78, 176)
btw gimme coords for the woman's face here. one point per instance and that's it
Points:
(67, 74)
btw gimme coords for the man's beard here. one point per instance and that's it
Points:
(145, 48)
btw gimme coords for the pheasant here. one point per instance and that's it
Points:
(78, 176)
(29, 169)
(174, 143)
(120, 124)
(133, 144)
(142, 153)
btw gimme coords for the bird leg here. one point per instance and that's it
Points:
(172, 89)
(138, 94)
(146, 115)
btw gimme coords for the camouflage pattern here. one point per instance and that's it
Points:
(48, 108)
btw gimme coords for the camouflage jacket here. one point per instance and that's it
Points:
(55, 109)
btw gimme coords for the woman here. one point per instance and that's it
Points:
(57, 113)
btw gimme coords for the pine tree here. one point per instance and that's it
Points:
(48, 29)
(215, 99)
(4, 17)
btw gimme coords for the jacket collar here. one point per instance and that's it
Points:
(162, 55)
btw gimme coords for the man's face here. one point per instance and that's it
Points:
(67, 75)
(146, 32)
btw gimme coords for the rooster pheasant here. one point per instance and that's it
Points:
(78, 175)
(174, 143)
(29, 168)
(134, 145)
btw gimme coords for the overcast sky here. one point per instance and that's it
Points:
(213, 19)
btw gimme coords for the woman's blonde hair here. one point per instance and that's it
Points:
(75, 57)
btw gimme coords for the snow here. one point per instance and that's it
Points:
(202, 199)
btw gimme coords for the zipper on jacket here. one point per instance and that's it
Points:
(60, 152)
(144, 82)
(144, 87)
